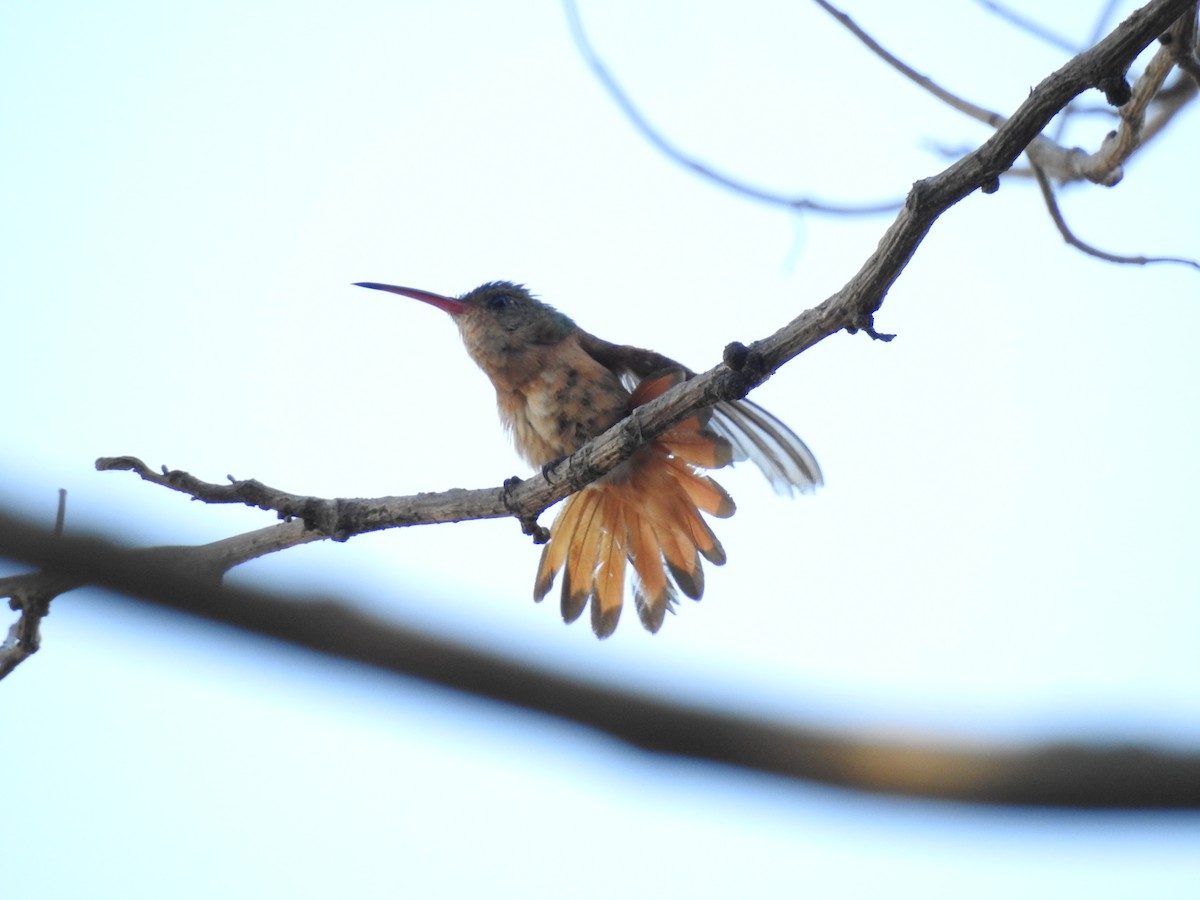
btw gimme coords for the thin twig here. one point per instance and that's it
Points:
(342, 517)
(1029, 26)
(1070, 237)
(975, 111)
(30, 595)
(679, 156)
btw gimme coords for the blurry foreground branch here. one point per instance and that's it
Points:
(1056, 775)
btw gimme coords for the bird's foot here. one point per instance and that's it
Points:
(529, 524)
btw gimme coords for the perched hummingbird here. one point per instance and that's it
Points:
(557, 386)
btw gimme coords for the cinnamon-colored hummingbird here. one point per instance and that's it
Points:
(557, 386)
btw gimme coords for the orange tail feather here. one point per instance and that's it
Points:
(648, 519)
(583, 555)
(647, 516)
(609, 579)
(653, 592)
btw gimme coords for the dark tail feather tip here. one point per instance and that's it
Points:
(604, 623)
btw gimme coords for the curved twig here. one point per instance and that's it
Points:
(1070, 237)
(668, 149)
(979, 113)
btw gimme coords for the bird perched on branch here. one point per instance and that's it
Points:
(557, 386)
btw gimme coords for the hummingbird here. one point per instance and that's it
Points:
(558, 386)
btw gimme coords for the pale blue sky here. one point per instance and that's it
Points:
(1005, 547)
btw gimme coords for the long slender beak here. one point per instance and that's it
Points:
(449, 304)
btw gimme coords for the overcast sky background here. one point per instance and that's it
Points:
(1005, 548)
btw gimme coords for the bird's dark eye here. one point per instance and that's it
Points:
(498, 301)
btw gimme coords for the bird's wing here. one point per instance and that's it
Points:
(751, 431)
(778, 452)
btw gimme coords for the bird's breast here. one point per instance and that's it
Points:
(561, 407)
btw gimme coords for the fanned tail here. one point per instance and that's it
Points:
(647, 513)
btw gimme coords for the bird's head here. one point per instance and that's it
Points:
(496, 319)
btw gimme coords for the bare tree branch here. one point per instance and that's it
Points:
(1055, 775)
(1049, 158)
(1118, 146)
(1062, 163)
(664, 146)
(30, 596)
